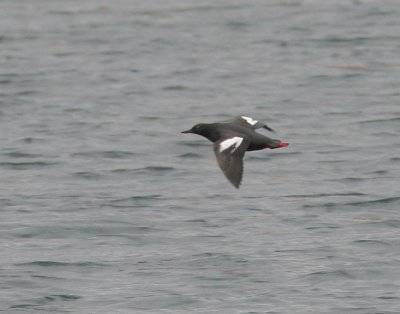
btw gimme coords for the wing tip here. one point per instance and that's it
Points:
(268, 128)
(236, 183)
(237, 186)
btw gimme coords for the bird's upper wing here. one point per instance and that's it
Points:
(250, 123)
(229, 152)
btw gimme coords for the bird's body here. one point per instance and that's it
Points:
(232, 139)
(257, 141)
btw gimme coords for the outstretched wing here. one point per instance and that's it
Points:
(229, 152)
(251, 123)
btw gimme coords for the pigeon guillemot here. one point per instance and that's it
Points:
(232, 139)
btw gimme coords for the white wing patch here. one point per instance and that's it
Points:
(249, 120)
(230, 142)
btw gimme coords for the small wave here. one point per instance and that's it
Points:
(258, 157)
(134, 201)
(386, 297)
(87, 175)
(344, 40)
(237, 24)
(328, 205)
(150, 118)
(190, 155)
(175, 88)
(335, 150)
(349, 179)
(388, 120)
(286, 153)
(378, 172)
(324, 205)
(155, 170)
(158, 168)
(325, 226)
(30, 139)
(17, 154)
(117, 154)
(351, 67)
(194, 143)
(61, 264)
(334, 161)
(371, 242)
(199, 220)
(27, 165)
(368, 218)
(325, 195)
(140, 197)
(394, 223)
(46, 299)
(122, 170)
(113, 154)
(330, 274)
(23, 306)
(388, 200)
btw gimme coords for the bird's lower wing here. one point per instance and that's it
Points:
(229, 153)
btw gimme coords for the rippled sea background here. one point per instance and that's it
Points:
(105, 207)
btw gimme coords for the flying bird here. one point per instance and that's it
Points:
(232, 139)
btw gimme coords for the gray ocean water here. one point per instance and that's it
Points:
(105, 207)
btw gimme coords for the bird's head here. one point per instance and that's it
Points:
(199, 129)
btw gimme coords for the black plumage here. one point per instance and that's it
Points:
(232, 139)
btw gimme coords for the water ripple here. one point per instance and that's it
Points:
(27, 165)
(99, 213)
(34, 303)
(62, 264)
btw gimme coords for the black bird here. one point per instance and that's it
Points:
(232, 139)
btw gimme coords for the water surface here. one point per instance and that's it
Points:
(106, 208)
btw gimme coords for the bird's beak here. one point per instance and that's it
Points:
(187, 131)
